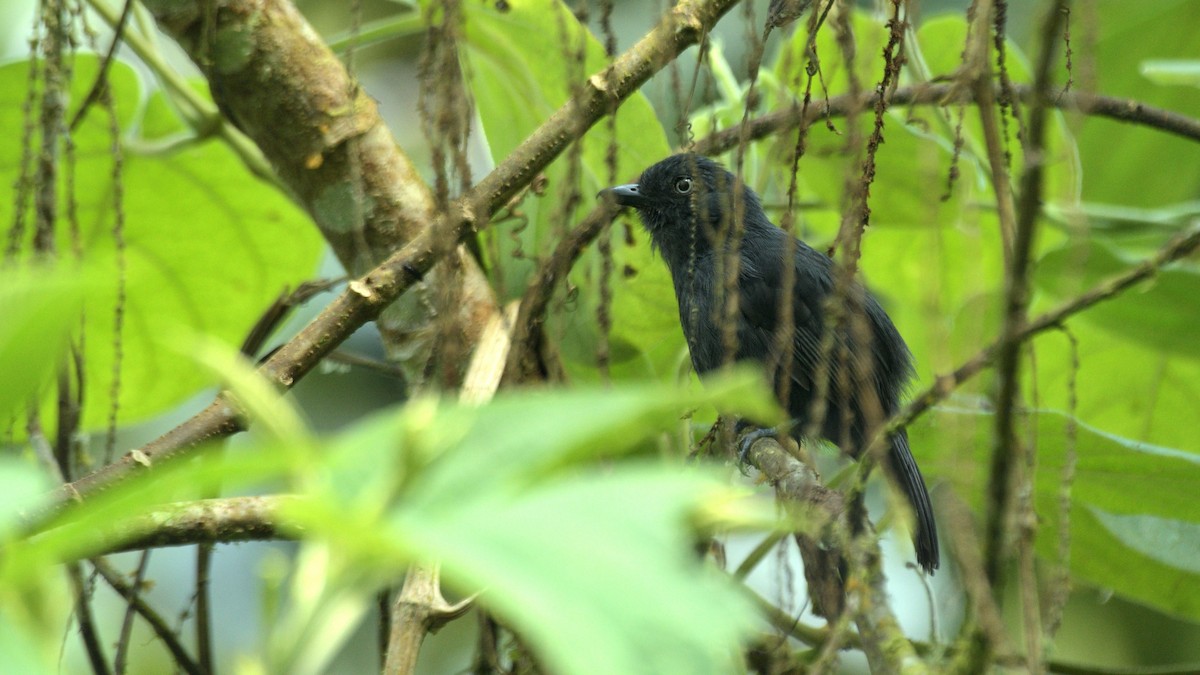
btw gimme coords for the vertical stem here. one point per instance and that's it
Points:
(1008, 452)
(87, 624)
(54, 83)
(122, 656)
(204, 649)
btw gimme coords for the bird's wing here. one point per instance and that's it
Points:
(762, 294)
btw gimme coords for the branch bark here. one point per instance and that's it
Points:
(419, 608)
(272, 76)
(866, 600)
(206, 521)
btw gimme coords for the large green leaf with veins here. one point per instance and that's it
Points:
(1134, 516)
(591, 563)
(207, 246)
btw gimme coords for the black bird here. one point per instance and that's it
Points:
(687, 203)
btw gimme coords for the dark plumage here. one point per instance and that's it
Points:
(686, 203)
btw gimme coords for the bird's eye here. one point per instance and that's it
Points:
(683, 185)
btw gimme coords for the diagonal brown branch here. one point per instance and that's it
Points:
(324, 137)
(1111, 107)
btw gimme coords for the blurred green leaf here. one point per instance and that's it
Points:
(207, 246)
(514, 439)
(260, 400)
(595, 570)
(24, 648)
(517, 438)
(1169, 72)
(22, 483)
(321, 615)
(1161, 313)
(1129, 164)
(592, 564)
(41, 308)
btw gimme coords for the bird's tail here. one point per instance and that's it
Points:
(908, 476)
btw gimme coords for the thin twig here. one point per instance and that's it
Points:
(214, 521)
(1111, 107)
(203, 616)
(87, 623)
(159, 625)
(101, 81)
(985, 97)
(139, 577)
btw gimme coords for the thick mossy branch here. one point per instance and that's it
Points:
(272, 76)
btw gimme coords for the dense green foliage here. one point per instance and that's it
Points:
(590, 561)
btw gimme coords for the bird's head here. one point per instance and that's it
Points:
(684, 191)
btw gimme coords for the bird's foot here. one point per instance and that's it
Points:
(747, 440)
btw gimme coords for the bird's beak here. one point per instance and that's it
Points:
(625, 195)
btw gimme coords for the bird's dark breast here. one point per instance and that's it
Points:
(756, 330)
(694, 289)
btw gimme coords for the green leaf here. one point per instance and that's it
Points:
(1159, 313)
(940, 42)
(1112, 564)
(432, 449)
(558, 427)
(21, 483)
(25, 648)
(1174, 543)
(1118, 156)
(870, 36)
(40, 306)
(1125, 387)
(592, 564)
(207, 246)
(595, 570)
(1171, 72)
(1132, 504)
(1133, 228)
